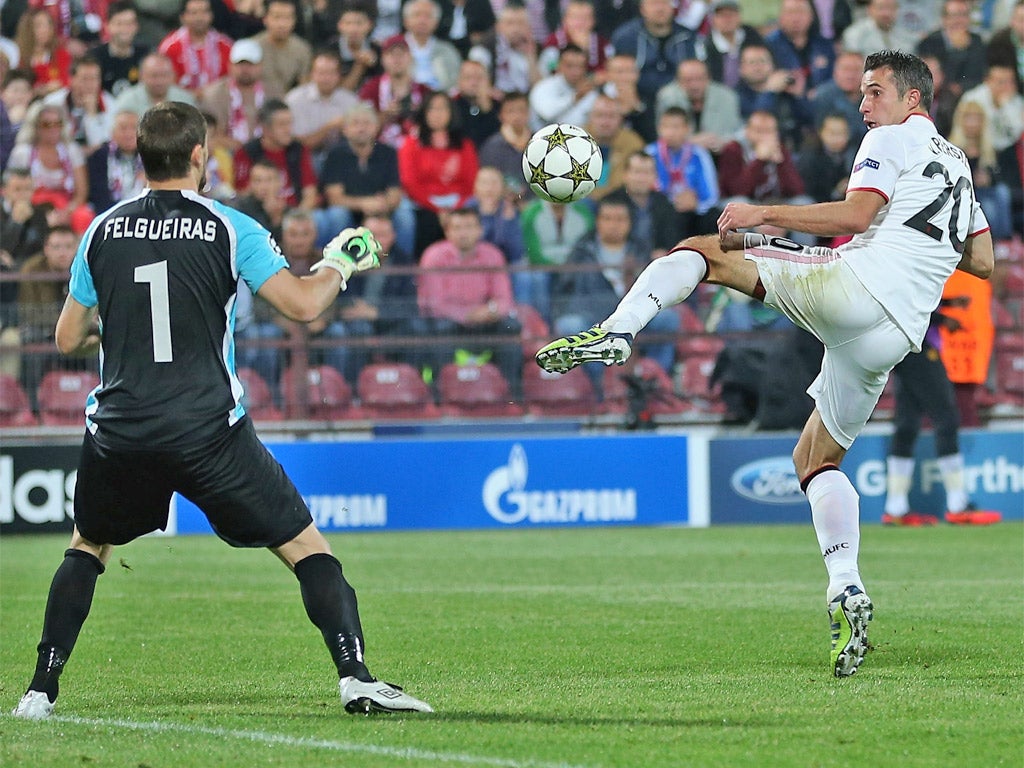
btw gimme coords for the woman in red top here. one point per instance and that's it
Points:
(437, 166)
(41, 50)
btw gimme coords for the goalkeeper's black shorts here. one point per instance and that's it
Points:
(244, 493)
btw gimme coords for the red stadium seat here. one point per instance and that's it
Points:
(15, 408)
(557, 394)
(535, 332)
(327, 395)
(61, 396)
(1009, 354)
(700, 345)
(259, 402)
(696, 383)
(660, 399)
(475, 390)
(395, 391)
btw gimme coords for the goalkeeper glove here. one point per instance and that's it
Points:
(351, 251)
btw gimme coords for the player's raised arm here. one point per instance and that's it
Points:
(305, 298)
(850, 216)
(978, 258)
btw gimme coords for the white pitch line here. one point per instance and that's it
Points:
(404, 753)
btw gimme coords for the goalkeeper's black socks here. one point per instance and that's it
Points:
(331, 605)
(67, 608)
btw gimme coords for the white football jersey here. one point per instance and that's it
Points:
(917, 238)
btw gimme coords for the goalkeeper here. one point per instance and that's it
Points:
(153, 287)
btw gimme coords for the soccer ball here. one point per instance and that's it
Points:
(562, 163)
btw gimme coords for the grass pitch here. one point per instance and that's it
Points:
(540, 648)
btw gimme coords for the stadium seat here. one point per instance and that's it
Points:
(475, 390)
(557, 394)
(1009, 354)
(327, 396)
(1002, 316)
(689, 320)
(660, 398)
(700, 345)
(258, 400)
(535, 332)
(61, 396)
(15, 408)
(395, 391)
(696, 383)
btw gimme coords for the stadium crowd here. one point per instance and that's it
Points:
(410, 117)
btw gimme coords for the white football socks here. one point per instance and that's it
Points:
(899, 474)
(835, 510)
(665, 282)
(952, 469)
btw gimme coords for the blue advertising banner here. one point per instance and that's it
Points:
(753, 481)
(501, 483)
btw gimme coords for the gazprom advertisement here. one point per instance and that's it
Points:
(753, 481)
(397, 485)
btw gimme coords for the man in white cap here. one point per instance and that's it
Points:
(235, 100)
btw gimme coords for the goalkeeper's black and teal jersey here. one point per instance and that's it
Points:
(163, 267)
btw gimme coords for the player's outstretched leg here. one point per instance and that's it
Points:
(331, 605)
(663, 283)
(67, 608)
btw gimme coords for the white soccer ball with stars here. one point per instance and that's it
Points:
(562, 163)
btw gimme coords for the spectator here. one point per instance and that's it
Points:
(961, 51)
(157, 18)
(319, 107)
(464, 290)
(657, 42)
(757, 167)
(617, 143)
(549, 233)
(694, 15)
(1007, 45)
(16, 96)
(465, 23)
(511, 54)
(57, 163)
(499, 218)
(799, 49)
(972, 134)
(879, 30)
(121, 56)
(1003, 105)
(616, 257)
(577, 28)
(264, 197)
(286, 56)
(685, 173)
(712, 109)
(720, 48)
(220, 162)
(361, 179)
(609, 15)
(358, 55)
(621, 79)
(435, 61)
(389, 20)
(199, 53)
(437, 167)
(841, 95)
(766, 89)
(89, 109)
(115, 168)
(40, 49)
(653, 217)
(156, 84)
(235, 100)
(39, 303)
(22, 229)
(394, 94)
(504, 150)
(944, 101)
(277, 143)
(825, 165)
(566, 96)
(474, 104)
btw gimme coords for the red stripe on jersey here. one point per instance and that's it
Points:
(869, 189)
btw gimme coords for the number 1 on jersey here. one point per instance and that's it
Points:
(159, 308)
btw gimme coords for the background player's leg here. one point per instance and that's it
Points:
(67, 608)
(907, 426)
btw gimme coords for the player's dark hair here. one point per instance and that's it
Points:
(908, 72)
(168, 132)
(120, 6)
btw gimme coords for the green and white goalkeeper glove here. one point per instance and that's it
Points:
(352, 250)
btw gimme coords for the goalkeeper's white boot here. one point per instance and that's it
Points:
(34, 705)
(849, 613)
(378, 696)
(593, 345)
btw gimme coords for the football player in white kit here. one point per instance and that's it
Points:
(911, 208)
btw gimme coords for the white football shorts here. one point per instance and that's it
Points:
(814, 288)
